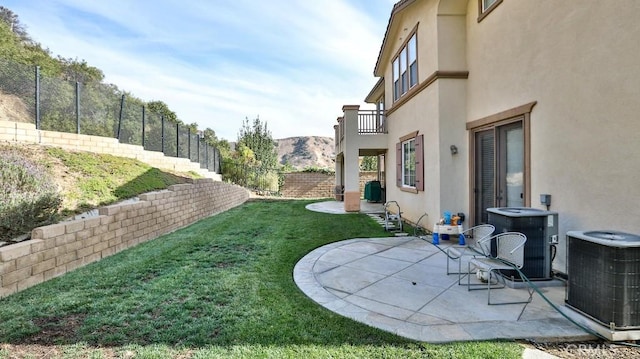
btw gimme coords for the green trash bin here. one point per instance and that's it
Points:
(373, 191)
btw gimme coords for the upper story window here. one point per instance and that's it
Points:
(486, 6)
(405, 68)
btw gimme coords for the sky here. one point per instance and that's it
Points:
(292, 63)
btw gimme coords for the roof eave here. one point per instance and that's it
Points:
(397, 8)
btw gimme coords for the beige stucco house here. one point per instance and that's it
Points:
(491, 103)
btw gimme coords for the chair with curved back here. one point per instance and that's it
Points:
(472, 236)
(509, 255)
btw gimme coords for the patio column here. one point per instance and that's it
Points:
(351, 169)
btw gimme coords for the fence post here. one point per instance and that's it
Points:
(143, 114)
(206, 156)
(177, 140)
(78, 107)
(198, 143)
(37, 98)
(162, 134)
(189, 143)
(120, 117)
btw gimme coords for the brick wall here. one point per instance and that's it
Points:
(63, 247)
(26, 133)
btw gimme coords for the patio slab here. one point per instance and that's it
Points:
(399, 284)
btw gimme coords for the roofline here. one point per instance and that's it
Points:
(399, 6)
(376, 90)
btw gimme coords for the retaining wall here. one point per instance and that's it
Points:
(63, 247)
(316, 184)
(26, 133)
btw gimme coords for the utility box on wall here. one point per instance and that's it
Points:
(541, 229)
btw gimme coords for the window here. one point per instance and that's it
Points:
(413, 61)
(380, 115)
(485, 7)
(409, 163)
(486, 4)
(405, 68)
(396, 79)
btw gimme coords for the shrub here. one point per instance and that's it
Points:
(28, 197)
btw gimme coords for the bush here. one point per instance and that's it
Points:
(28, 197)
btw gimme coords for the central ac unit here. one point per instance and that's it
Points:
(541, 229)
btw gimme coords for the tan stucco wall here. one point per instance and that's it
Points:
(438, 112)
(579, 61)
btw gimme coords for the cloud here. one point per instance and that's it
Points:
(293, 63)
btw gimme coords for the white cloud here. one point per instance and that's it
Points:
(293, 63)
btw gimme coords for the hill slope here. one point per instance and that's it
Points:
(307, 151)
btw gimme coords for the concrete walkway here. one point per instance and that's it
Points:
(399, 284)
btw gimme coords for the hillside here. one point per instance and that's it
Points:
(307, 151)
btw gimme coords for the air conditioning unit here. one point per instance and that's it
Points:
(604, 277)
(541, 229)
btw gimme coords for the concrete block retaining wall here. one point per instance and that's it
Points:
(21, 132)
(308, 185)
(316, 184)
(63, 247)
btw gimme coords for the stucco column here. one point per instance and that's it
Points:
(351, 167)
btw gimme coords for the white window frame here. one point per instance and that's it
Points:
(486, 4)
(405, 68)
(409, 163)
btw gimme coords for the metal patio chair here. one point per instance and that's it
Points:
(472, 237)
(509, 255)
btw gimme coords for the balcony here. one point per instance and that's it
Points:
(361, 128)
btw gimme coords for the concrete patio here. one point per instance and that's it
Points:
(399, 284)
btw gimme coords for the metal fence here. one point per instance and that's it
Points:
(100, 109)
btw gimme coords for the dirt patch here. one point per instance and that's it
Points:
(13, 109)
(56, 330)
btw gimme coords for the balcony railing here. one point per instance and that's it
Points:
(371, 122)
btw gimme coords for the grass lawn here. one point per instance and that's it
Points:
(222, 287)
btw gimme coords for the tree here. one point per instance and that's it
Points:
(369, 163)
(258, 138)
(79, 71)
(11, 19)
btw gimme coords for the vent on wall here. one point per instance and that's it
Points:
(604, 277)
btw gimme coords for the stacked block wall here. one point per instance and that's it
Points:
(20, 132)
(63, 247)
(317, 185)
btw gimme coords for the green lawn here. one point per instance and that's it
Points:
(222, 287)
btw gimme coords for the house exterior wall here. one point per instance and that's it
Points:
(578, 61)
(438, 111)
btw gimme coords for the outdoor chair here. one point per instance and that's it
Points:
(509, 255)
(472, 237)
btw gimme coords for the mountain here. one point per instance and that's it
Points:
(307, 151)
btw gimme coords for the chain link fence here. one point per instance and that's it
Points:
(97, 109)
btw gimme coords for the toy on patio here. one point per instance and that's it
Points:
(449, 224)
(392, 216)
